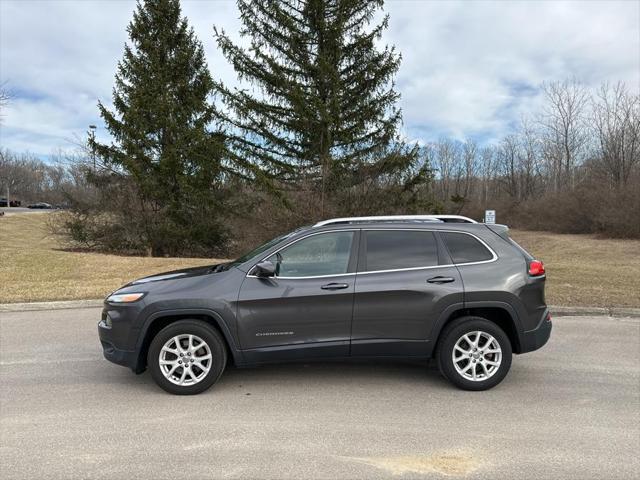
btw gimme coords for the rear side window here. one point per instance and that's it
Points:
(390, 250)
(465, 248)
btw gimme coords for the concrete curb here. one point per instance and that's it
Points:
(559, 311)
(556, 311)
(57, 305)
(625, 312)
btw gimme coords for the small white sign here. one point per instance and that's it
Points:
(489, 216)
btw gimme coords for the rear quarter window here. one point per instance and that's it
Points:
(465, 248)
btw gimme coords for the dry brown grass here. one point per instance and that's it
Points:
(33, 266)
(582, 269)
(586, 270)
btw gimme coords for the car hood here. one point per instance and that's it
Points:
(176, 274)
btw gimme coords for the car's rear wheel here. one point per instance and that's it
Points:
(187, 357)
(474, 353)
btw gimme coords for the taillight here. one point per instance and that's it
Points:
(536, 268)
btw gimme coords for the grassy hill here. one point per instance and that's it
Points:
(582, 270)
(35, 267)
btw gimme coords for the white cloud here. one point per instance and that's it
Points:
(474, 68)
(469, 68)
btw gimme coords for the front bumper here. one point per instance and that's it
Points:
(121, 357)
(538, 337)
(117, 337)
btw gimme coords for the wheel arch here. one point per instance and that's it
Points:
(500, 313)
(156, 322)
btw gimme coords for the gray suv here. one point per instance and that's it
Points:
(419, 287)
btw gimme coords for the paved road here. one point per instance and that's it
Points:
(17, 210)
(571, 410)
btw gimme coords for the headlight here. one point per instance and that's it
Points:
(124, 297)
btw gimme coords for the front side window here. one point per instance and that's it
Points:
(465, 248)
(323, 254)
(392, 250)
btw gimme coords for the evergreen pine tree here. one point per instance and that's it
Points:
(324, 111)
(162, 147)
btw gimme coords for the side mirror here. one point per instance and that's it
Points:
(265, 269)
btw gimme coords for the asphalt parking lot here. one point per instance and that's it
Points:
(571, 410)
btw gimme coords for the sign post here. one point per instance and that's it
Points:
(489, 216)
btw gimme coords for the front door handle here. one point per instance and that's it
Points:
(334, 286)
(440, 279)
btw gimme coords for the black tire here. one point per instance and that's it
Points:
(446, 344)
(213, 341)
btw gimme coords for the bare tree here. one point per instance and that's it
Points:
(529, 161)
(487, 172)
(464, 164)
(564, 131)
(5, 97)
(508, 155)
(616, 124)
(444, 163)
(14, 173)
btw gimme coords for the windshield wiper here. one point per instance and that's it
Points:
(221, 267)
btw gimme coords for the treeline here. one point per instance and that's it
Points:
(196, 167)
(27, 179)
(575, 168)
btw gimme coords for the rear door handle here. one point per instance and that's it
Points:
(334, 286)
(440, 279)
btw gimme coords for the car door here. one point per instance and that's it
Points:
(305, 309)
(405, 280)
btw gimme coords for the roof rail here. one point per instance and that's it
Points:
(454, 218)
(398, 218)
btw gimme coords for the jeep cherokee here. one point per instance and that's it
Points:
(422, 287)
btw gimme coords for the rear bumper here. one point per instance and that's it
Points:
(536, 338)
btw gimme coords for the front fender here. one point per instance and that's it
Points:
(217, 319)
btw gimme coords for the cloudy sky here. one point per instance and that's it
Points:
(470, 69)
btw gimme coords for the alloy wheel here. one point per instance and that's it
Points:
(477, 356)
(185, 359)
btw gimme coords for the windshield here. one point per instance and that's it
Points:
(262, 248)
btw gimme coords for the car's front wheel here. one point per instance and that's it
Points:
(187, 357)
(474, 353)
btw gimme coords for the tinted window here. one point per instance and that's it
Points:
(324, 254)
(465, 248)
(389, 250)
